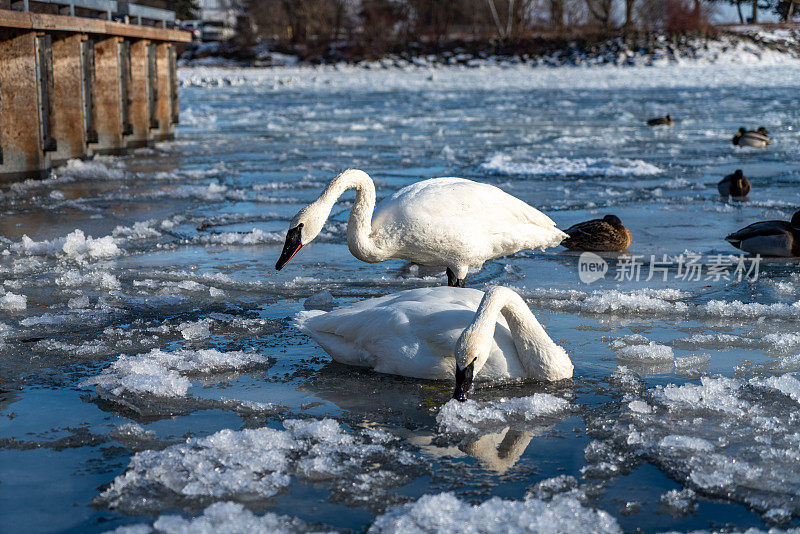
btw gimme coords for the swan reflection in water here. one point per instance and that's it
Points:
(496, 451)
(408, 407)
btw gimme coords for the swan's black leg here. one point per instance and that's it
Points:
(452, 281)
(460, 282)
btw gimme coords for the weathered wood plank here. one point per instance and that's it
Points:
(45, 22)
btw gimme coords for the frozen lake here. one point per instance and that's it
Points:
(150, 370)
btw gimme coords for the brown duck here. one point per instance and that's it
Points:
(598, 235)
(666, 120)
(734, 185)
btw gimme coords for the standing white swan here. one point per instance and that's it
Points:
(445, 222)
(437, 332)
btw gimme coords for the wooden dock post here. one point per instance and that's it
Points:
(68, 87)
(23, 153)
(167, 81)
(140, 94)
(108, 105)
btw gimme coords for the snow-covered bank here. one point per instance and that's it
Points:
(733, 45)
(328, 79)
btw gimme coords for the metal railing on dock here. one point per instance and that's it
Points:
(93, 84)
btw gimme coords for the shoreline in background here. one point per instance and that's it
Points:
(734, 44)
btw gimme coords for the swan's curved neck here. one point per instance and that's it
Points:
(538, 354)
(359, 226)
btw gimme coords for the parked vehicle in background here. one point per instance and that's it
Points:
(192, 26)
(218, 20)
(216, 30)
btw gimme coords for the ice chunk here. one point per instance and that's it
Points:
(132, 431)
(692, 364)
(78, 303)
(131, 529)
(76, 245)
(642, 301)
(163, 373)
(686, 442)
(97, 168)
(100, 279)
(256, 464)
(223, 518)
(322, 300)
(639, 406)
(541, 166)
(786, 384)
(633, 339)
(256, 236)
(139, 230)
(665, 302)
(472, 416)
(12, 302)
(626, 379)
(652, 352)
(782, 342)
(216, 293)
(550, 487)
(231, 518)
(196, 331)
(678, 503)
(191, 285)
(447, 513)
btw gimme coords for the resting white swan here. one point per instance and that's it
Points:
(437, 332)
(444, 222)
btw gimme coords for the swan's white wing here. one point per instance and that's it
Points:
(460, 220)
(411, 333)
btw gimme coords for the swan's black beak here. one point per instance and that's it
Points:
(463, 381)
(290, 247)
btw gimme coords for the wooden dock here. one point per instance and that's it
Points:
(74, 86)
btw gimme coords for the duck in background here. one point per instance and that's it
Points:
(734, 185)
(756, 139)
(599, 235)
(666, 120)
(769, 238)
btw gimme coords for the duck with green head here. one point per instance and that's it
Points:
(757, 139)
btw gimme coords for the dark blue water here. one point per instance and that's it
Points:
(197, 274)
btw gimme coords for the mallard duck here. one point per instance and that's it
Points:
(599, 235)
(734, 185)
(666, 120)
(769, 238)
(757, 139)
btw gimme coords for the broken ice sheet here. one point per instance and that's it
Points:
(252, 466)
(644, 356)
(447, 513)
(475, 417)
(223, 518)
(724, 437)
(165, 374)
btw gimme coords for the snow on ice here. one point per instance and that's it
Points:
(256, 464)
